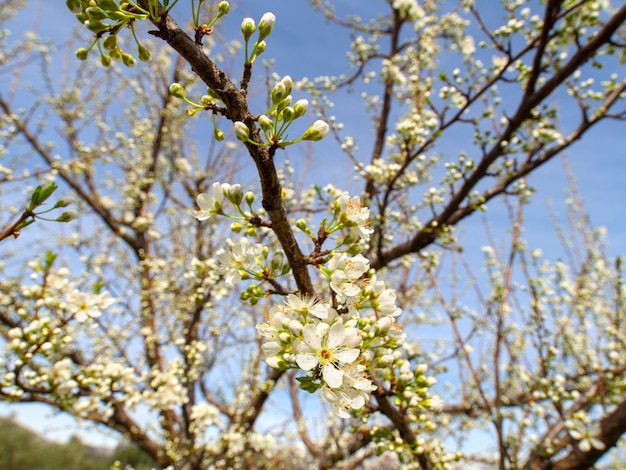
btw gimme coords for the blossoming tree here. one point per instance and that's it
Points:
(220, 317)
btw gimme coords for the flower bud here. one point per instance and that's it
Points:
(105, 60)
(176, 90)
(235, 194)
(67, 216)
(288, 82)
(249, 197)
(108, 5)
(279, 92)
(248, 27)
(278, 260)
(218, 134)
(288, 114)
(266, 24)
(300, 107)
(259, 48)
(265, 123)
(128, 60)
(110, 42)
(236, 227)
(143, 53)
(82, 53)
(241, 131)
(223, 8)
(318, 130)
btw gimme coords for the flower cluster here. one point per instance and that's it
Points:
(279, 116)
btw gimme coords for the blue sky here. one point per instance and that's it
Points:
(304, 44)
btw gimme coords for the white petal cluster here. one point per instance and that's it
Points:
(356, 216)
(239, 261)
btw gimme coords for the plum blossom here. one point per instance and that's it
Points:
(242, 258)
(346, 272)
(329, 347)
(209, 204)
(587, 437)
(357, 216)
(308, 305)
(86, 305)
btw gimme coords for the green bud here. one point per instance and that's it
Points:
(266, 25)
(116, 54)
(235, 194)
(251, 232)
(259, 48)
(288, 114)
(302, 225)
(74, 6)
(128, 60)
(236, 227)
(120, 16)
(95, 26)
(249, 197)
(95, 13)
(223, 8)
(279, 92)
(218, 134)
(318, 130)
(67, 216)
(278, 260)
(241, 131)
(64, 202)
(110, 42)
(300, 107)
(143, 53)
(248, 27)
(82, 53)
(108, 5)
(211, 92)
(207, 100)
(177, 91)
(265, 123)
(105, 60)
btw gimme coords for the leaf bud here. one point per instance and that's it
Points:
(318, 130)
(241, 131)
(176, 90)
(248, 27)
(266, 25)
